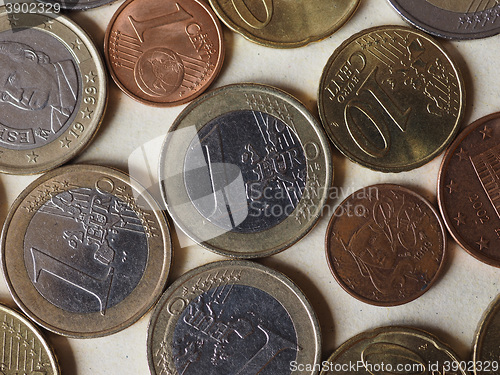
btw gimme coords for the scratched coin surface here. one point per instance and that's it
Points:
(468, 190)
(391, 99)
(453, 19)
(24, 349)
(282, 23)
(164, 53)
(385, 245)
(83, 252)
(52, 91)
(232, 317)
(486, 353)
(245, 170)
(393, 350)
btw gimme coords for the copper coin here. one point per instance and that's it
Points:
(469, 189)
(385, 245)
(164, 53)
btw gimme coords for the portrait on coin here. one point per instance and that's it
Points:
(30, 81)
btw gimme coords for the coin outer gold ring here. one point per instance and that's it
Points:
(197, 114)
(93, 96)
(126, 312)
(239, 272)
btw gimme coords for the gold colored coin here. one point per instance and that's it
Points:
(24, 349)
(85, 251)
(486, 348)
(393, 350)
(391, 99)
(232, 317)
(282, 23)
(53, 91)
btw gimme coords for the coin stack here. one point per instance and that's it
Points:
(249, 187)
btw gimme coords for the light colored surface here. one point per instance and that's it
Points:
(451, 309)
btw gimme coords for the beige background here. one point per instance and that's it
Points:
(451, 309)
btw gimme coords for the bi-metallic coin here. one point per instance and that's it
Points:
(385, 245)
(52, 91)
(78, 4)
(282, 23)
(233, 317)
(486, 356)
(24, 349)
(85, 251)
(456, 19)
(393, 350)
(468, 189)
(390, 98)
(164, 53)
(245, 170)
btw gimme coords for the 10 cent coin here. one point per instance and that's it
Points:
(486, 355)
(390, 98)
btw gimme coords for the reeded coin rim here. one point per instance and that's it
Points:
(98, 94)
(338, 144)
(441, 193)
(85, 325)
(341, 282)
(232, 244)
(282, 45)
(263, 279)
(123, 87)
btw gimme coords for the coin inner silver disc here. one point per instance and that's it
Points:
(234, 329)
(245, 171)
(85, 250)
(40, 89)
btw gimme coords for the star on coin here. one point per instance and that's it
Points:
(451, 187)
(77, 44)
(91, 77)
(460, 219)
(86, 113)
(48, 24)
(483, 244)
(486, 132)
(65, 142)
(462, 154)
(32, 157)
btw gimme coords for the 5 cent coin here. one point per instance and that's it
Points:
(468, 189)
(245, 170)
(83, 254)
(233, 317)
(52, 91)
(391, 99)
(385, 245)
(164, 53)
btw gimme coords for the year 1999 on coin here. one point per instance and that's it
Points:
(35, 8)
